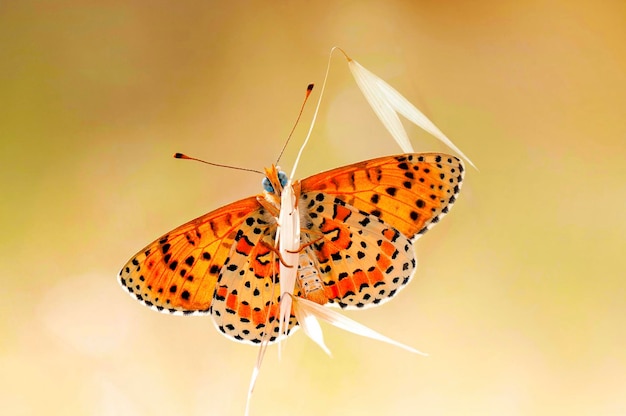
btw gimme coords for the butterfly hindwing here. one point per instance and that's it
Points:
(246, 301)
(361, 260)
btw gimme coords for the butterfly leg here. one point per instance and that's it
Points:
(302, 247)
(277, 252)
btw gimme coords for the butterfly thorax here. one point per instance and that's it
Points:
(273, 185)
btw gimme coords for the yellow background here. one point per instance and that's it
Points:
(519, 296)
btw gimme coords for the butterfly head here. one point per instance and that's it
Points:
(275, 180)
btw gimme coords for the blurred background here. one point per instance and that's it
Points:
(519, 296)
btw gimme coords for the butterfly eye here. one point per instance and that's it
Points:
(282, 178)
(267, 185)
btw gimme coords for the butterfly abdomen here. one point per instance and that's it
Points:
(309, 279)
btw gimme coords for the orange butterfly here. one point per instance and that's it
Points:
(357, 228)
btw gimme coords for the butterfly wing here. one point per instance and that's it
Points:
(365, 218)
(246, 302)
(360, 221)
(218, 263)
(178, 272)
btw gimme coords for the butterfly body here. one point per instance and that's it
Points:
(345, 239)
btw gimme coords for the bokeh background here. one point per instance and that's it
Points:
(520, 293)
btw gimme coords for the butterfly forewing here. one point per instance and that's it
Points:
(409, 192)
(178, 272)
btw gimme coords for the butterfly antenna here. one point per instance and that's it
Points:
(219, 165)
(309, 88)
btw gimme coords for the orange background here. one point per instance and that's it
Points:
(519, 296)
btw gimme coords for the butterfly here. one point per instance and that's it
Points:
(357, 225)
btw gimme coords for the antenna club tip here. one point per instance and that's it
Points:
(310, 87)
(180, 156)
